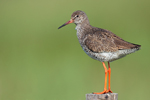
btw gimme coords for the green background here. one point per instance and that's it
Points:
(40, 62)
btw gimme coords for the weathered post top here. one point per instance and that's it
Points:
(107, 96)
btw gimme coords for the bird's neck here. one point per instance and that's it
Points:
(82, 30)
(83, 26)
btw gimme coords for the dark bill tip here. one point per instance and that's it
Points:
(62, 26)
(70, 21)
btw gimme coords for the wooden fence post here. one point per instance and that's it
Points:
(107, 96)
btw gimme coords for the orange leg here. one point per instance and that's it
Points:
(105, 85)
(109, 73)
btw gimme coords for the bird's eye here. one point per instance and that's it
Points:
(77, 15)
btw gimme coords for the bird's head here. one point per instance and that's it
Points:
(77, 17)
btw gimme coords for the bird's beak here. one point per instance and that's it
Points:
(70, 21)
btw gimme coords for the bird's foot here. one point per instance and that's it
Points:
(109, 91)
(103, 92)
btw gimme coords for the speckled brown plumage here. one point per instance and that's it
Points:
(97, 40)
(100, 40)
(100, 44)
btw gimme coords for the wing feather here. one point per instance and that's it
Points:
(105, 41)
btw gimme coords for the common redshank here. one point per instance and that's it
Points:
(100, 44)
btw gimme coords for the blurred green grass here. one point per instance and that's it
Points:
(40, 62)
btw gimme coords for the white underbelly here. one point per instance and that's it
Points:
(109, 56)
